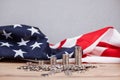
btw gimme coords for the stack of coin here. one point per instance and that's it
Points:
(53, 60)
(78, 56)
(65, 59)
(41, 62)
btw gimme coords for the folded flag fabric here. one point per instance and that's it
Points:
(102, 45)
(23, 41)
(28, 42)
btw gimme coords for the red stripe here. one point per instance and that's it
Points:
(111, 53)
(61, 43)
(107, 45)
(88, 39)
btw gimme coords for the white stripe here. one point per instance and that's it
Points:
(95, 59)
(55, 46)
(98, 51)
(91, 47)
(70, 42)
(113, 38)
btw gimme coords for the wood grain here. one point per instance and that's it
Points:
(9, 71)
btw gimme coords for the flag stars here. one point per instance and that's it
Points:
(36, 44)
(48, 56)
(7, 35)
(70, 54)
(33, 30)
(23, 42)
(47, 39)
(5, 44)
(17, 25)
(19, 53)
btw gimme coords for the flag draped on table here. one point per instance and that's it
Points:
(23, 41)
(28, 42)
(102, 45)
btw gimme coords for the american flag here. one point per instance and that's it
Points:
(27, 42)
(100, 46)
(23, 41)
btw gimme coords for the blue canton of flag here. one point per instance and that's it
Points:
(27, 42)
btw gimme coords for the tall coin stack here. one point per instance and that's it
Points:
(78, 56)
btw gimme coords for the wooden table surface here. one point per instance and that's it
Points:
(9, 71)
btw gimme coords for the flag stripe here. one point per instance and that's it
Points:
(103, 43)
(27, 42)
(111, 53)
(88, 39)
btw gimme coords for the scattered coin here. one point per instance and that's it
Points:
(54, 68)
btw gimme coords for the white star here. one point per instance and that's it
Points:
(47, 39)
(33, 30)
(17, 25)
(22, 42)
(7, 35)
(5, 44)
(36, 44)
(48, 56)
(19, 53)
(70, 55)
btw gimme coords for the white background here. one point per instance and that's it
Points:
(60, 19)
